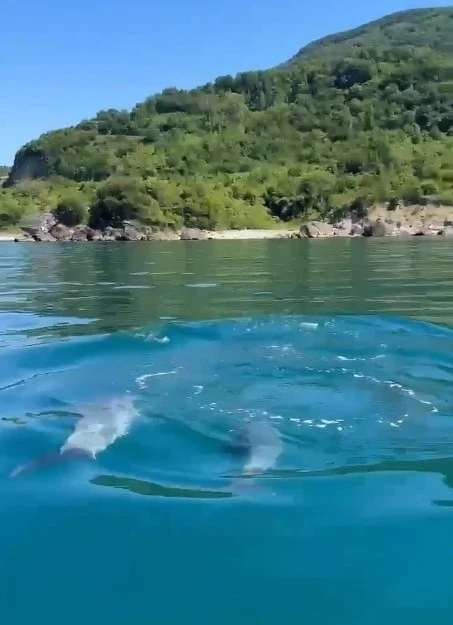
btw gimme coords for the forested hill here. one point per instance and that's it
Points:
(353, 119)
(417, 27)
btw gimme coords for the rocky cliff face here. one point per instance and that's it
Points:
(27, 166)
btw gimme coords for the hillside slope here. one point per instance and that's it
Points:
(354, 119)
(416, 27)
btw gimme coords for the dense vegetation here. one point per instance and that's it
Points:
(354, 119)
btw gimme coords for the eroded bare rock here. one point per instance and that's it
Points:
(192, 234)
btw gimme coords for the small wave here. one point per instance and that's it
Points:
(202, 285)
(123, 287)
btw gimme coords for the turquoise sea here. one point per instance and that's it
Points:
(156, 357)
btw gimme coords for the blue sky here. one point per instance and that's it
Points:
(63, 61)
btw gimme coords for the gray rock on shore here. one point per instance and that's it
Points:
(316, 230)
(61, 232)
(372, 228)
(192, 234)
(44, 227)
(377, 228)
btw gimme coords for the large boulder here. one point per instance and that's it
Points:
(356, 230)
(23, 238)
(131, 233)
(192, 234)
(447, 231)
(112, 234)
(377, 228)
(61, 232)
(85, 233)
(316, 230)
(43, 237)
(344, 225)
(38, 225)
(43, 221)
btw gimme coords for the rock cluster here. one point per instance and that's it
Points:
(373, 228)
(45, 228)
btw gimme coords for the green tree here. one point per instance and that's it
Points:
(70, 211)
(118, 200)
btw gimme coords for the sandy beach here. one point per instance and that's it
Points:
(258, 234)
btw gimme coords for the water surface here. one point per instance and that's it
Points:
(344, 347)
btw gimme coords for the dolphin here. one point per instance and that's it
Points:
(97, 428)
(261, 445)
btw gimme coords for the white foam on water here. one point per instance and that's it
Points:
(142, 378)
(202, 285)
(160, 339)
(152, 337)
(392, 384)
(346, 359)
(122, 287)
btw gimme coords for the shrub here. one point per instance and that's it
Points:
(118, 200)
(70, 211)
(393, 204)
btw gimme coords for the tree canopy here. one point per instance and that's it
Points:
(356, 118)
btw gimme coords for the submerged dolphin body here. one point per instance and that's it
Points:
(260, 443)
(97, 428)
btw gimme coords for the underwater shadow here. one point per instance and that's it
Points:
(151, 489)
(440, 466)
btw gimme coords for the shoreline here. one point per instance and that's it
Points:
(403, 222)
(256, 234)
(309, 231)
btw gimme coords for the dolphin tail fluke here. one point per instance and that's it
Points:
(49, 459)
